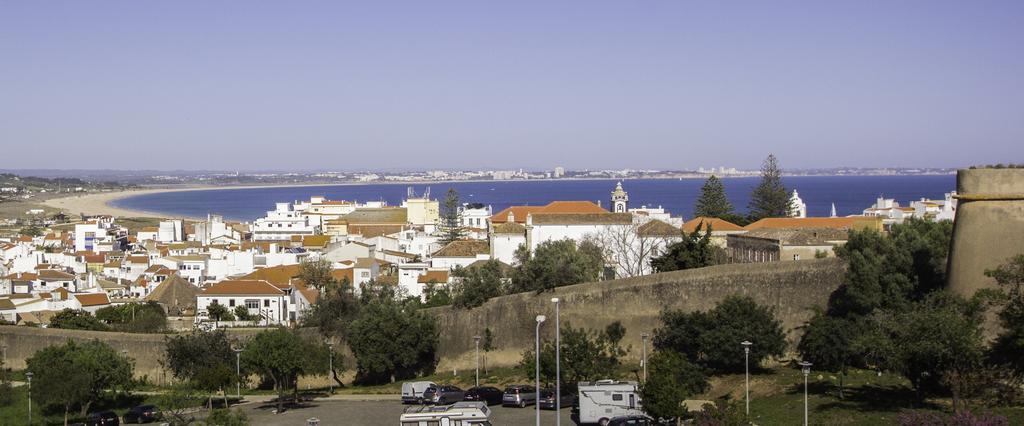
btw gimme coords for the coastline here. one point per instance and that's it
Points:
(100, 203)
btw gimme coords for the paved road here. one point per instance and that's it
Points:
(382, 413)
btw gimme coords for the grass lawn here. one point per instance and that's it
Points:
(16, 413)
(777, 398)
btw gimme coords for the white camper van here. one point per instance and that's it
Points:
(412, 392)
(603, 400)
(465, 413)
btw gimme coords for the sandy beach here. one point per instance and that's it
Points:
(99, 203)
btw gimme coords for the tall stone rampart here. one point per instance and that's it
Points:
(146, 350)
(989, 226)
(792, 288)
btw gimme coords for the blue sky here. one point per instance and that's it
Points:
(479, 84)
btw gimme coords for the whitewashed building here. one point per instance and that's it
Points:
(259, 297)
(281, 224)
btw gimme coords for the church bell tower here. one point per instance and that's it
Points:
(619, 199)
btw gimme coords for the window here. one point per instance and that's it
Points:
(252, 304)
(616, 397)
(266, 303)
(231, 302)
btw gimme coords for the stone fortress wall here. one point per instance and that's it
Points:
(792, 288)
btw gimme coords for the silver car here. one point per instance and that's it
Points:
(519, 396)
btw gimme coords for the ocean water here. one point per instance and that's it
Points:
(851, 194)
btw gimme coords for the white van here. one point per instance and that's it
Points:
(412, 392)
(464, 413)
(603, 400)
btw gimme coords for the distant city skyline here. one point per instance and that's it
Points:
(461, 85)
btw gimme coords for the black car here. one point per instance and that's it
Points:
(547, 399)
(142, 414)
(487, 394)
(104, 418)
(640, 420)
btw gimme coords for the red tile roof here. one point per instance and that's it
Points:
(716, 224)
(435, 276)
(242, 287)
(520, 212)
(92, 299)
(818, 222)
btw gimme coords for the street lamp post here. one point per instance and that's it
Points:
(330, 353)
(540, 320)
(806, 368)
(238, 372)
(558, 362)
(28, 376)
(643, 352)
(746, 355)
(476, 341)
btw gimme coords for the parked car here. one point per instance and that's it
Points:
(104, 418)
(447, 394)
(428, 395)
(412, 392)
(142, 414)
(634, 420)
(519, 396)
(547, 399)
(487, 394)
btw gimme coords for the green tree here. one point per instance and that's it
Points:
(694, 251)
(770, 198)
(929, 342)
(31, 231)
(77, 374)
(146, 317)
(281, 356)
(72, 319)
(335, 309)
(487, 345)
(890, 271)
(436, 294)
(712, 338)
(828, 343)
(242, 313)
(476, 285)
(451, 219)
(392, 341)
(176, 404)
(317, 273)
(204, 359)
(1008, 347)
(556, 264)
(712, 201)
(586, 355)
(219, 312)
(672, 379)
